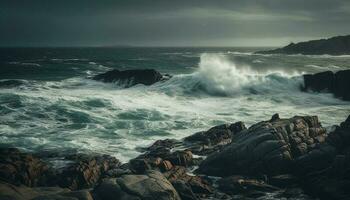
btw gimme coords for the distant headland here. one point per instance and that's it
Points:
(339, 45)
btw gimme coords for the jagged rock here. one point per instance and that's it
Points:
(325, 170)
(206, 142)
(151, 185)
(197, 184)
(160, 157)
(17, 167)
(334, 46)
(265, 148)
(85, 170)
(184, 190)
(131, 77)
(337, 83)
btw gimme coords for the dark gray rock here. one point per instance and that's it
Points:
(337, 83)
(85, 170)
(325, 170)
(239, 184)
(151, 185)
(212, 140)
(129, 78)
(342, 85)
(268, 147)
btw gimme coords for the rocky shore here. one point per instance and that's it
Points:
(292, 158)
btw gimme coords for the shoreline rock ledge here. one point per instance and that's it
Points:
(294, 158)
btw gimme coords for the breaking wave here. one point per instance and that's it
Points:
(218, 75)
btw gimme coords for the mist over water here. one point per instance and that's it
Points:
(59, 109)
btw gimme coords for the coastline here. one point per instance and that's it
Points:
(219, 163)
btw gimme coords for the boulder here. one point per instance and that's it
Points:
(197, 184)
(342, 85)
(129, 78)
(184, 190)
(337, 83)
(161, 156)
(325, 170)
(151, 185)
(17, 167)
(268, 147)
(206, 142)
(319, 82)
(85, 170)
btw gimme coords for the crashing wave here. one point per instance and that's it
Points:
(217, 75)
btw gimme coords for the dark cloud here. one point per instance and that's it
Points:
(169, 23)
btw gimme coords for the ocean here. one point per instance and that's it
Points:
(58, 108)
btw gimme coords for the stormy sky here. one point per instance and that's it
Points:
(170, 22)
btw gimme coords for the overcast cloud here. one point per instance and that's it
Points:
(170, 23)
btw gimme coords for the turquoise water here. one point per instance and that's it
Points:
(59, 109)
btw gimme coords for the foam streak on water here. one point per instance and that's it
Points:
(78, 114)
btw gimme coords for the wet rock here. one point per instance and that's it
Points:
(319, 82)
(197, 184)
(342, 85)
(337, 83)
(184, 190)
(265, 148)
(325, 171)
(132, 77)
(151, 185)
(17, 167)
(206, 142)
(181, 158)
(85, 170)
(160, 157)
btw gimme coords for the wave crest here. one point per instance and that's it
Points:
(218, 75)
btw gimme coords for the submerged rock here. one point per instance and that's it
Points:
(268, 147)
(339, 45)
(151, 185)
(129, 78)
(337, 83)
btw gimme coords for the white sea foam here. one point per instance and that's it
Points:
(87, 115)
